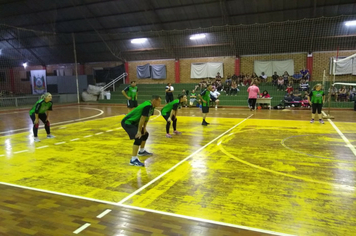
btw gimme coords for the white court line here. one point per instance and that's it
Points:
(348, 143)
(110, 130)
(99, 133)
(179, 163)
(88, 136)
(42, 147)
(60, 194)
(80, 229)
(63, 122)
(20, 151)
(119, 128)
(206, 221)
(75, 139)
(138, 208)
(59, 143)
(103, 213)
(2, 155)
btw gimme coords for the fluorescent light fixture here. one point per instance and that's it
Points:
(350, 23)
(141, 40)
(24, 65)
(197, 36)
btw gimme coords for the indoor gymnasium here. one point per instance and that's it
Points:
(189, 117)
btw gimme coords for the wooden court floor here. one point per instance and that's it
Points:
(247, 173)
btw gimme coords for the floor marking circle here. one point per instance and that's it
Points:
(221, 141)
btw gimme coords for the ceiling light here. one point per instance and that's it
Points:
(141, 40)
(24, 65)
(350, 23)
(197, 36)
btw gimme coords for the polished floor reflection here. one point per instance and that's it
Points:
(247, 173)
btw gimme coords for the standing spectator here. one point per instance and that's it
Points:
(214, 96)
(218, 77)
(130, 92)
(253, 91)
(316, 99)
(205, 99)
(169, 93)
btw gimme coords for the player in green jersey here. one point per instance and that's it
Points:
(135, 124)
(41, 111)
(130, 92)
(169, 113)
(316, 99)
(205, 99)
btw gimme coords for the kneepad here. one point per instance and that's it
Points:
(145, 136)
(138, 141)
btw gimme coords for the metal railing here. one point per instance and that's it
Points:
(113, 82)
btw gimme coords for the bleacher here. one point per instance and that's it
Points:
(147, 90)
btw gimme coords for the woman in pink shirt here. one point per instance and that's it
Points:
(253, 91)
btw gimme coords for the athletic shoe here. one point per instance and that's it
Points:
(312, 121)
(137, 162)
(145, 153)
(50, 136)
(321, 121)
(204, 123)
(36, 139)
(207, 123)
(177, 132)
(168, 136)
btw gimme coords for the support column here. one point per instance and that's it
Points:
(127, 80)
(237, 66)
(177, 71)
(310, 65)
(12, 81)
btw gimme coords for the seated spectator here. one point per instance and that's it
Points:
(184, 104)
(289, 88)
(214, 97)
(280, 83)
(265, 94)
(234, 89)
(343, 94)
(304, 86)
(297, 77)
(192, 98)
(305, 74)
(352, 93)
(218, 77)
(333, 92)
(254, 76)
(305, 100)
(286, 77)
(247, 80)
(274, 79)
(263, 77)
